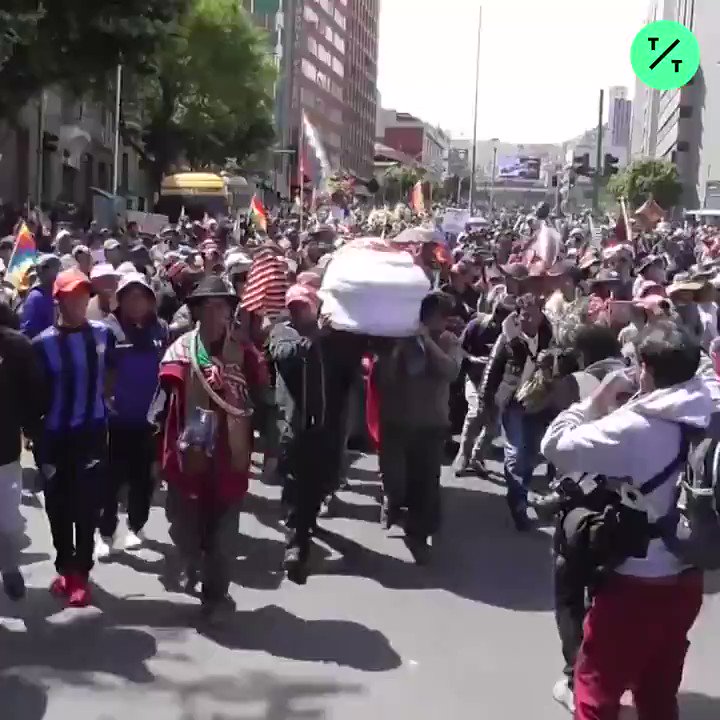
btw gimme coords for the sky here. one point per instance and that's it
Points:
(542, 63)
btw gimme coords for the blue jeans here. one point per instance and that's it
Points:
(523, 434)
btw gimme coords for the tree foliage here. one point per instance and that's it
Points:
(400, 179)
(76, 44)
(644, 178)
(211, 95)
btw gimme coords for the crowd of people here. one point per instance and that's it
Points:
(128, 360)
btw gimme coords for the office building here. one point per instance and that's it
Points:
(425, 144)
(683, 126)
(619, 123)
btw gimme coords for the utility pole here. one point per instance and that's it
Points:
(42, 103)
(492, 174)
(475, 115)
(116, 149)
(599, 156)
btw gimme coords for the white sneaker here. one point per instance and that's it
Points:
(103, 547)
(134, 540)
(564, 695)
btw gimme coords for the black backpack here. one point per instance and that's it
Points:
(692, 530)
(602, 521)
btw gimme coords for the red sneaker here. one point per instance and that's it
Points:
(79, 592)
(60, 587)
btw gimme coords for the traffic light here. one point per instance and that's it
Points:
(581, 165)
(610, 167)
(554, 181)
(50, 142)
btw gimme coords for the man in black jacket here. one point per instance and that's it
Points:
(525, 334)
(20, 411)
(477, 341)
(315, 370)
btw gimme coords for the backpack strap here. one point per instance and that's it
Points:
(681, 458)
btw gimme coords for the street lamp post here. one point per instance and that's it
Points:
(475, 114)
(492, 174)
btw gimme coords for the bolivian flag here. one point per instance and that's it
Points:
(258, 213)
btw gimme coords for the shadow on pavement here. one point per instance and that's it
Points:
(278, 632)
(281, 698)
(74, 652)
(477, 555)
(695, 706)
(115, 641)
(22, 699)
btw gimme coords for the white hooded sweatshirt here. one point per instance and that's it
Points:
(636, 441)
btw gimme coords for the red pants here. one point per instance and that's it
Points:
(635, 638)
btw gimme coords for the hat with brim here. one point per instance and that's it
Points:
(605, 277)
(212, 287)
(103, 270)
(48, 260)
(648, 287)
(657, 304)
(134, 280)
(515, 271)
(588, 260)
(684, 284)
(647, 261)
(70, 281)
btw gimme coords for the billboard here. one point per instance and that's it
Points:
(519, 167)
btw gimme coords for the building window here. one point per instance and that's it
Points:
(125, 172)
(337, 66)
(340, 19)
(683, 146)
(686, 111)
(310, 16)
(309, 70)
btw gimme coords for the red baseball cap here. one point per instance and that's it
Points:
(69, 281)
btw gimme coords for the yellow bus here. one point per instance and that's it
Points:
(197, 192)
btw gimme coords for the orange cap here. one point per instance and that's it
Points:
(69, 281)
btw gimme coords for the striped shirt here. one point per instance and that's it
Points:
(75, 363)
(266, 285)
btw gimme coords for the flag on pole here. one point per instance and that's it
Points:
(258, 213)
(312, 136)
(417, 200)
(24, 256)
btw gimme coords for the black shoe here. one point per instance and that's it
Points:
(389, 514)
(419, 549)
(14, 585)
(216, 611)
(296, 562)
(521, 520)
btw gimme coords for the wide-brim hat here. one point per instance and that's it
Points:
(589, 259)
(514, 270)
(605, 277)
(684, 282)
(212, 287)
(647, 261)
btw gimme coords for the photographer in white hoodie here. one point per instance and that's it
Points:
(635, 633)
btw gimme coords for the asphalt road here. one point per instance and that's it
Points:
(369, 636)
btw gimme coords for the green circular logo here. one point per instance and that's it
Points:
(665, 55)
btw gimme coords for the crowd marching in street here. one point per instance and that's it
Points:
(591, 349)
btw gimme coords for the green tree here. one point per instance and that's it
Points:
(644, 178)
(211, 96)
(399, 180)
(76, 44)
